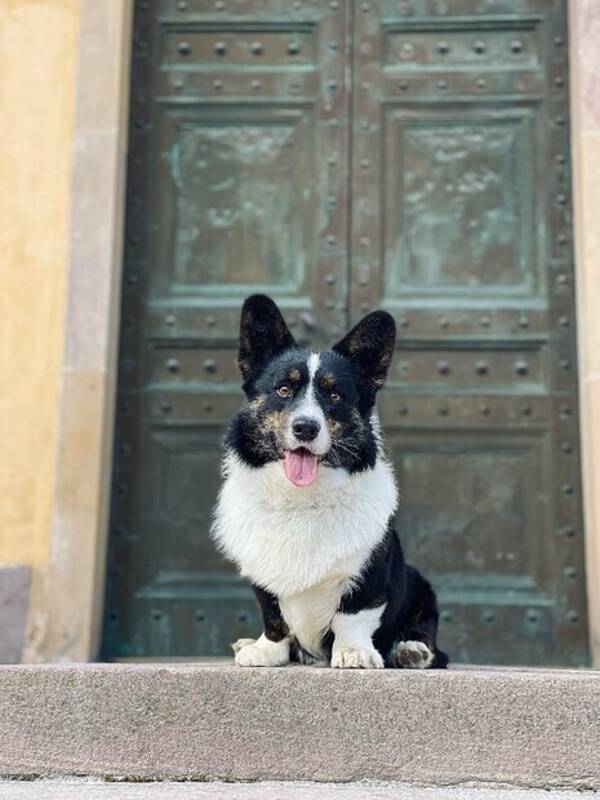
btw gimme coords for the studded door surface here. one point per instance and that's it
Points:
(461, 228)
(343, 156)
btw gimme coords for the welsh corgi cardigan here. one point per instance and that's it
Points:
(307, 504)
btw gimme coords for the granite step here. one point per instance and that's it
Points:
(210, 722)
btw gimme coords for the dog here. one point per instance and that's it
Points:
(307, 503)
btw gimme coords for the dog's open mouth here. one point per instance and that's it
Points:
(300, 466)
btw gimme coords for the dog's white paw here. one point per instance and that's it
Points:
(412, 655)
(356, 658)
(261, 652)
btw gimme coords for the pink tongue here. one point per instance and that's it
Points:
(300, 467)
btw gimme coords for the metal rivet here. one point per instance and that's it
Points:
(330, 279)
(443, 367)
(485, 322)
(526, 411)
(479, 47)
(210, 321)
(445, 615)
(170, 320)
(330, 305)
(488, 616)
(565, 411)
(561, 158)
(485, 409)
(443, 48)
(516, 46)
(573, 616)
(219, 5)
(558, 41)
(567, 489)
(523, 322)
(332, 83)
(242, 616)
(165, 407)
(200, 616)
(366, 7)
(365, 163)
(481, 367)
(157, 615)
(403, 410)
(562, 238)
(568, 531)
(563, 322)
(364, 307)
(208, 407)
(403, 322)
(532, 615)
(172, 364)
(403, 85)
(559, 80)
(521, 368)
(481, 83)
(333, 44)
(184, 48)
(182, 5)
(293, 48)
(220, 48)
(569, 572)
(256, 85)
(442, 84)
(561, 199)
(217, 84)
(257, 48)
(331, 240)
(210, 365)
(566, 447)
(443, 411)
(562, 279)
(560, 120)
(132, 279)
(443, 322)
(565, 364)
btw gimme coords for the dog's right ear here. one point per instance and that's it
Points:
(263, 335)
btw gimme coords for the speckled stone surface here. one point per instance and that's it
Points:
(75, 789)
(531, 728)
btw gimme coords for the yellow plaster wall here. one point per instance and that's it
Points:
(38, 43)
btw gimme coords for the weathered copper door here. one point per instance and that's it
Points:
(343, 156)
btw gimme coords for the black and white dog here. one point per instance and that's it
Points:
(306, 508)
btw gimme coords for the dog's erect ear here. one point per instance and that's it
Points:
(370, 346)
(263, 334)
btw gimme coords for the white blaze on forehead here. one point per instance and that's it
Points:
(309, 407)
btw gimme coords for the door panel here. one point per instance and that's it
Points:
(461, 229)
(238, 155)
(343, 156)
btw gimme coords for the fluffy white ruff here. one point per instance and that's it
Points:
(287, 538)
(262, 652)
(353, 640)
(412, 655)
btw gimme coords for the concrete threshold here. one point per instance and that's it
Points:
(210, 722)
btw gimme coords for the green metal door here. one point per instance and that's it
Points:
(343, 156)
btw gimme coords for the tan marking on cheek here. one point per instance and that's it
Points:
(276, 422)
(256, 404)
(335, 427)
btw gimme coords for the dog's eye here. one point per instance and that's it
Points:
(334, 397)
(284, 391)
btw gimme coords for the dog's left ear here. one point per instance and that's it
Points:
(370, 346)
(263, 335)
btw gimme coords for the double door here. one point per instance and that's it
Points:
(345, 156)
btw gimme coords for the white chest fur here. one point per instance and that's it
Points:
(292, 540)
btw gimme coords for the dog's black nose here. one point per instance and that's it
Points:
(305, 429)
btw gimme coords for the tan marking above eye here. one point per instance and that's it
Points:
(294, 375)
(327, 382)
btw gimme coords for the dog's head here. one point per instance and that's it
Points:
(306, 408)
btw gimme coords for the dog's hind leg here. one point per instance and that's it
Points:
(416, 646)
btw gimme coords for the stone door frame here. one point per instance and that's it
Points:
(65, 612)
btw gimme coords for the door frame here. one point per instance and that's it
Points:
(66, 602)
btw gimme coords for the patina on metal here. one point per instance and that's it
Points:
(344, 156)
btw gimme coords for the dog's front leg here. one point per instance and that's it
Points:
(353, 639)
(272, 648)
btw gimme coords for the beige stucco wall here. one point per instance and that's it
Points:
(37, 56)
